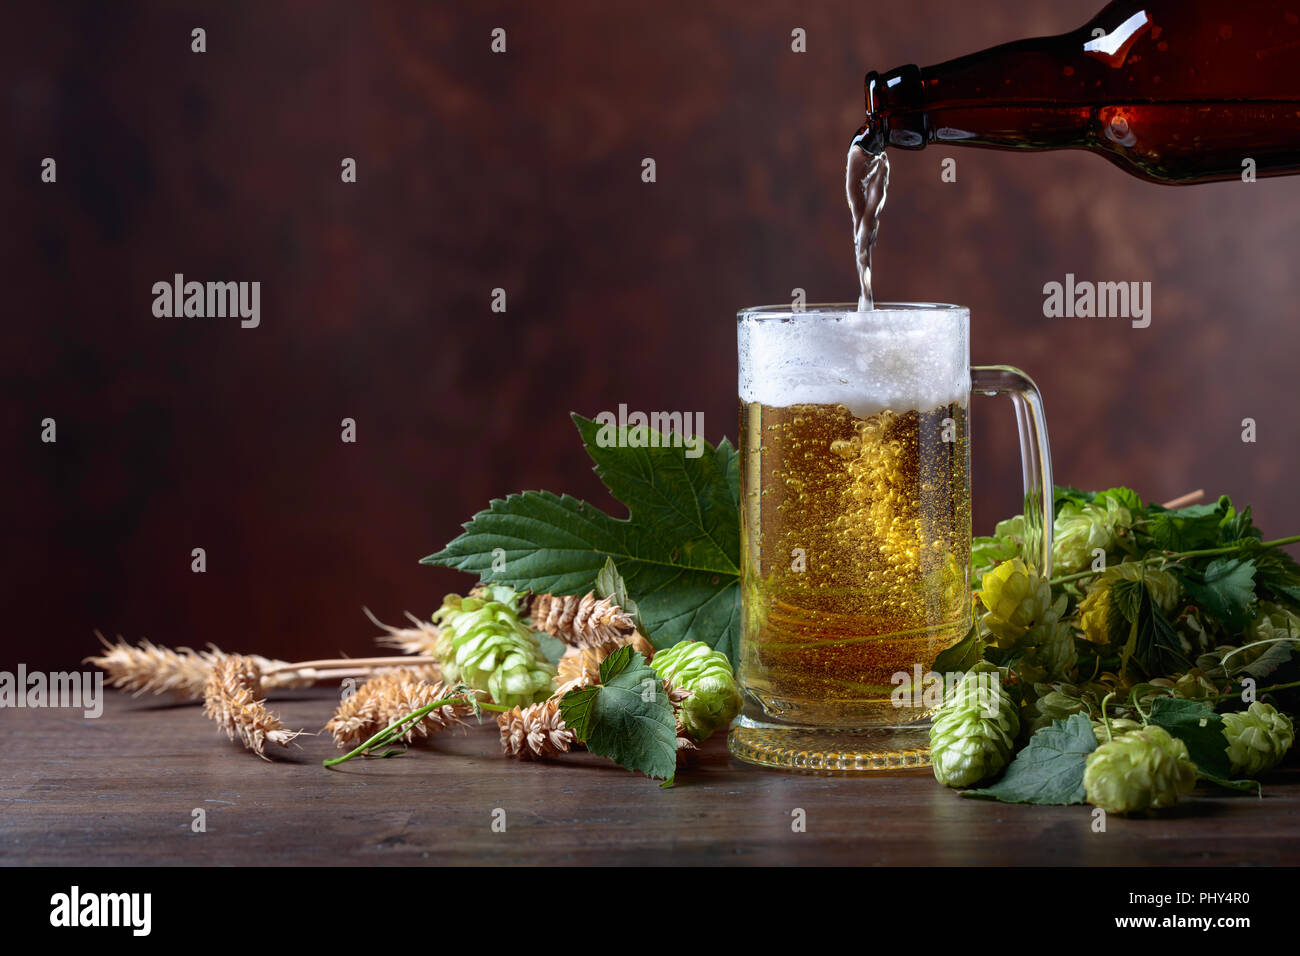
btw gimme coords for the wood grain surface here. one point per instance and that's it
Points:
(121, 789)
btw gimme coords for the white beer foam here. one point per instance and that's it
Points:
(902, 360)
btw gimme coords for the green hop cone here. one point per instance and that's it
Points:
(1258, 739)
(1270, 641)
(1022, 617)
(1118, 725)
(1199, 634)
(1050, 703)
(1016, 598)
(1274, 624)
(1195, 685)
(1050, 653)
(1006, 543)
(972, 735)
(1081, 529)
(706, 673)
(1143, 769)
(486, 646)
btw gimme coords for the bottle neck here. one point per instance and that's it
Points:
(1170, 90)
(1016, 96)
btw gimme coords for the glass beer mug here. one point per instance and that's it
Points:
(856, 524)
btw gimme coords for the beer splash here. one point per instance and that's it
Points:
(867, 185)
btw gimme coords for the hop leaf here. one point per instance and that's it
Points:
(714, 696)
(627, 717)
(1049, 770)
(1258, 739)
(973, 732)
(679, 547)
(1145, 769)
(1120, 581)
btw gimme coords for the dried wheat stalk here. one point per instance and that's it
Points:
(675, 697)
(1182, 501)
(585, 621)
(231, 700)
(421, 639)
(535, 732)
(151, 668)
(389, 696)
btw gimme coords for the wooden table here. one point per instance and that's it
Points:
(121, 790)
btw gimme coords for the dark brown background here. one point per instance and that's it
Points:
(523, 171)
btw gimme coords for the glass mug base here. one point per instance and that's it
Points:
(829, 749)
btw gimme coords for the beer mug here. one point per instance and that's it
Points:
(856, 525)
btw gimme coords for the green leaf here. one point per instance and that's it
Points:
(986, 552)
(1273, 657)
(1186, 529)
(1136, 625)
(1126, 596)
(1226, 589)
(1156, 647)
(1050, 769)
(1277, 575)
(552, 647)
(1063, 493)
(627, 717)
(610, 584)
(1237, 527)
(1195, 723)
(1121, 616)
(1124, 496)
(1007, 542)
(962, 656)
(678, 550)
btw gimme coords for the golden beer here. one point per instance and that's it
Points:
(856, 524)
(855, 556)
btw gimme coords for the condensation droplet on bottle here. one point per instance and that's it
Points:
(1118, 131)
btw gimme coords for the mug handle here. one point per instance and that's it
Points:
(1035, 456)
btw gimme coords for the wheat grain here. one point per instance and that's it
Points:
(150, 668)
(388, 696)
(230, 698)
(421, 639)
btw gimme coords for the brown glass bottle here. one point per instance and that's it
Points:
(1173, 91)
